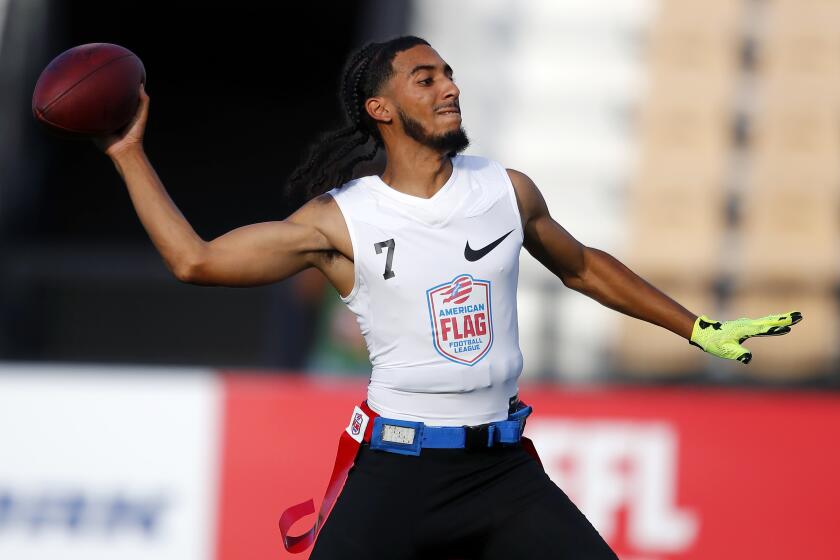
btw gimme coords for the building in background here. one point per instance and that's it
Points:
(695, 141)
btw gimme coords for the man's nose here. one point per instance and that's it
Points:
(451, 91)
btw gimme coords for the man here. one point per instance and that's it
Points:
(433, 463)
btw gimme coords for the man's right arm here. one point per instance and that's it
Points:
(248, 256)
(251, 255)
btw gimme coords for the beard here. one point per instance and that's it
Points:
(451, 143)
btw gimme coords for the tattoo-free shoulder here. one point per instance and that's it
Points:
(323, 214)
(528, 196)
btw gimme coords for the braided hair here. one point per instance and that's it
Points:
(329, 162)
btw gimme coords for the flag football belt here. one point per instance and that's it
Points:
(408, 438)
(403, 437)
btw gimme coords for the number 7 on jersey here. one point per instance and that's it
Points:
(389, 259)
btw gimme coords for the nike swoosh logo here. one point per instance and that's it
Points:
(475, 254)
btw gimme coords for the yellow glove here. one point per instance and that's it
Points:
(724, 339)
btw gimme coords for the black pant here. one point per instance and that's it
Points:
(492, 504)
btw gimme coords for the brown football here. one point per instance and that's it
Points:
(89, 90)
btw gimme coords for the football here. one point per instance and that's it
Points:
(89, 90)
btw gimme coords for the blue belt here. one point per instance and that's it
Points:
(408, 438)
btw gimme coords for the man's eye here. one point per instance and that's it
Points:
(425, 82)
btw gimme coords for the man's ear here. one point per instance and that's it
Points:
(378, 109)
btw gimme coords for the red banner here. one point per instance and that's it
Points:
(662, 473)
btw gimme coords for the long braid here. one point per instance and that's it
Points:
(359, 159)
(329, 163)
(355, 70)
(337, 135)
(361, 138)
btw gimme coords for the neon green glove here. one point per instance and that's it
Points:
(724, 339)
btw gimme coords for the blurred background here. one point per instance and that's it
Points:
(697, 142)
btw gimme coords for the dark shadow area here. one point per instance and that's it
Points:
(237, 92)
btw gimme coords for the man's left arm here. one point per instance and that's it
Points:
(602, 277)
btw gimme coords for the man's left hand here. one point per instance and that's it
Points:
(723, 339)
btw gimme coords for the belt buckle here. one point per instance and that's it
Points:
(476, 437)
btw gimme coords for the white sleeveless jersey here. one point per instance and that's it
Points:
(438, 317)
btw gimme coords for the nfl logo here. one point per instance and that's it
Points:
(462, 319)
(357, 423)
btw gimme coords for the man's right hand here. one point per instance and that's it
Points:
(131, 135)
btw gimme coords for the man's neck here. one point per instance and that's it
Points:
(416, 170)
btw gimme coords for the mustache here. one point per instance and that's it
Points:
(450, 105)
